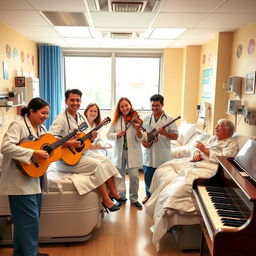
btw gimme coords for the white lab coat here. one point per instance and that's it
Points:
(13, 181)
(160, 151)
(133, 143)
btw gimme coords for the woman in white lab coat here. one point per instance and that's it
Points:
(93, 119)
(127, 154)
(24, 192)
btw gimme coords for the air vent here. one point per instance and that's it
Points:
(121, 35)
(127, 6)
(66, 18)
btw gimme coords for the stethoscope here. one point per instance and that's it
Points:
(161, 117)
(31, 137)
(80, 117)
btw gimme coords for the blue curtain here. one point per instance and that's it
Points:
(50, 79)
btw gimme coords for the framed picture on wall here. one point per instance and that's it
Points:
(207, 83)
(250, 83)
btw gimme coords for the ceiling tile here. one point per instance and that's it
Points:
(22, 18)
(238, 6)
(190, 6)
(58, 5)
(178, 20)
(42, 31)
(15, 5)
(126, 20)
(226, 21)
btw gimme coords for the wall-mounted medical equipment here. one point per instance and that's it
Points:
(203, 114)
(249, 115)
(26, 88)
(234, 107)
(6, 99)
(234, 84)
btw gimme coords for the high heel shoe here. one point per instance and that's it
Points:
(121, 199)
(114, 208)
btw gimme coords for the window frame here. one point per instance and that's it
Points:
(113, 54)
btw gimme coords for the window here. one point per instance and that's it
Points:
(137, 79)
(104, 79)
(91, 75)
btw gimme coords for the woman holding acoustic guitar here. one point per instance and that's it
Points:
(126, 133)
(24, 192)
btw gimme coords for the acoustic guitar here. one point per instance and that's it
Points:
(153, 135)
(71, 155)
(38, 166)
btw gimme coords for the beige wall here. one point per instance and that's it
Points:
(172, 80)
(21, 43)
(240, 67)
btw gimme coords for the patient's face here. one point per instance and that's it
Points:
(220, 131)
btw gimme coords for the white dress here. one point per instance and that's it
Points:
(89, 172)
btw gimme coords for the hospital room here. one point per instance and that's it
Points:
(127, 127)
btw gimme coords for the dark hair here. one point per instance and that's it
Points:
(74, 91)
(118, 112)
(35, 104)
(157, 97)
(98, 118)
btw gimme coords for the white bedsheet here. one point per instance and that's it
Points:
(171, 201)
(56, 178)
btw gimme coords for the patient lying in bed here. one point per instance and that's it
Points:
(171, 203)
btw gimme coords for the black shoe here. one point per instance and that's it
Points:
(145, 199)
(42, 254)
(114, 208)
(122, 199)
(137, 205)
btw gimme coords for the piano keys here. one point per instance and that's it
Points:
(226, 203)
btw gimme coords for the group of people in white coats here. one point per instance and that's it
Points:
(25, 192)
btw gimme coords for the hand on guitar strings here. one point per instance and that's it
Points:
(41, 154)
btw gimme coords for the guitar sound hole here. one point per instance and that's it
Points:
(47, 149)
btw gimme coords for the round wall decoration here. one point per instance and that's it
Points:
(8, 51)
(239, 51)
(251, 46)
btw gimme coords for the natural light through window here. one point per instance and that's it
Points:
(92, 75)
(137, 79)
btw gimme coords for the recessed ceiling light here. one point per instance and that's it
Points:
(166, 33)
(72, 31)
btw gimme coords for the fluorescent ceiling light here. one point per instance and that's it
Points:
(72, 31)
(166, 33)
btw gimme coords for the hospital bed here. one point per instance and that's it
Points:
(66, 216)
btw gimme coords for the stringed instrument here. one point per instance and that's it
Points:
(134, 119)
(153, 135)
(38, 166)
(71, 155)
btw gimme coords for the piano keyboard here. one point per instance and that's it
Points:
(224, 207)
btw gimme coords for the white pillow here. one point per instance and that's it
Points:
(241, 139)
(186, 130)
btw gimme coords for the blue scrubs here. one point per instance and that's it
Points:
(25, 211)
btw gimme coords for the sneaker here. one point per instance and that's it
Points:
(145, 199)
(137, 205)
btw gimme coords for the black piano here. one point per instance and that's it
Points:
(226, 205)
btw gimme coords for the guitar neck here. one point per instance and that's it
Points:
(61, 141)
(89, 134)
(171, 122)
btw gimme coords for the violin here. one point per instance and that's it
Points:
(134, 118)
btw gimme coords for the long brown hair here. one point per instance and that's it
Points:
(97, 120)
(118, 112)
